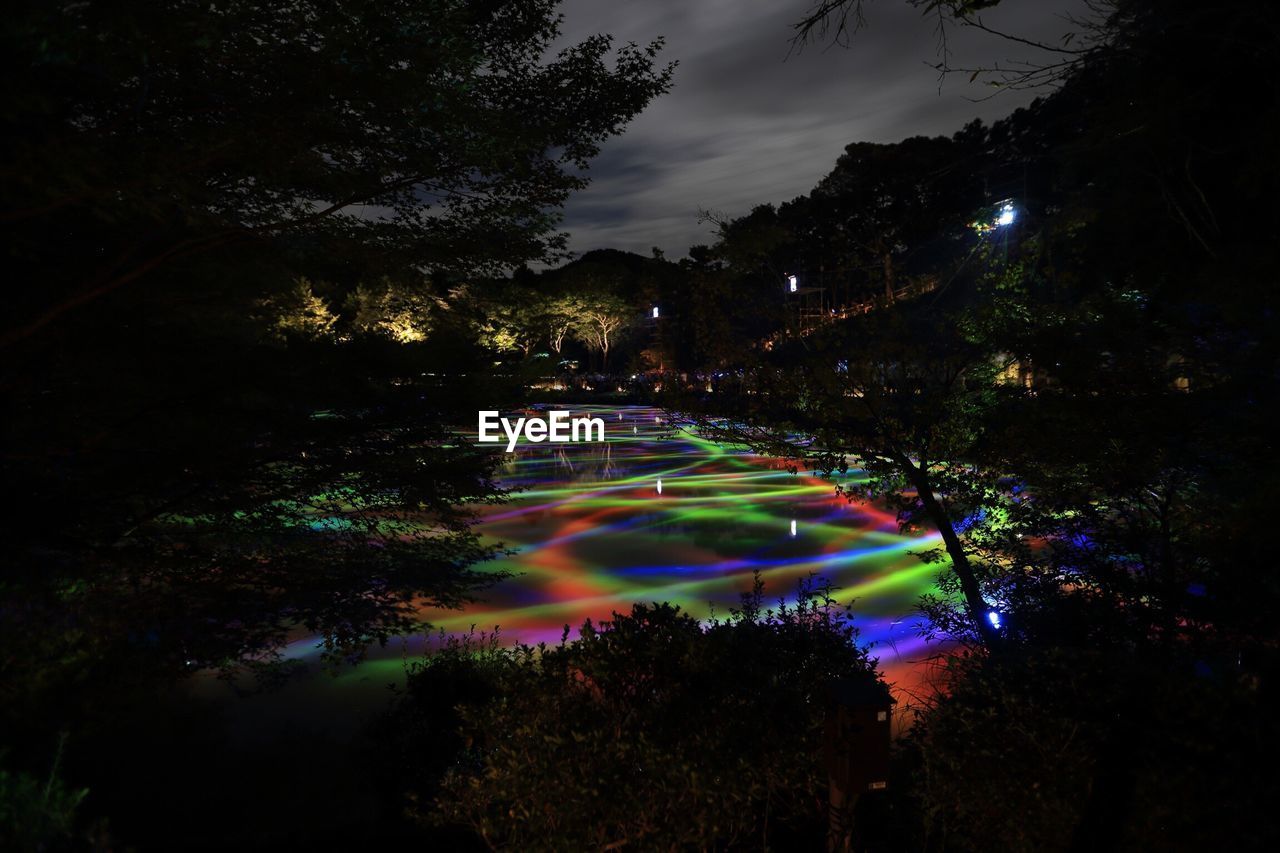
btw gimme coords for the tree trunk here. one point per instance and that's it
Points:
(955, 550)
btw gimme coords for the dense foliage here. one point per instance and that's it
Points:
(1071, 748)
(1076, 396)
(263, 253)
(648, 730)
(226, 421)
(203, 467)
(384, 139)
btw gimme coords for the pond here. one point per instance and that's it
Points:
(651, 516)
(647, 516)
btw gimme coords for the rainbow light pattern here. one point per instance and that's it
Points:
(639, 517)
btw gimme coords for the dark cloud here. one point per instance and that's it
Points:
(746, 123)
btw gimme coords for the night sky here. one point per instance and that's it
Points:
(745, 124)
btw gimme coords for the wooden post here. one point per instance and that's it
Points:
(857, 751)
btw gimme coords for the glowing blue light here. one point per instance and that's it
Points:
(994, 618)
(1007, 215)
(655, 312)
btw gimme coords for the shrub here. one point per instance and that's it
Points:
(37, 814)
(649, 730)
(1059, 748)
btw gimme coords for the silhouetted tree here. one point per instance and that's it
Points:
(414, 134)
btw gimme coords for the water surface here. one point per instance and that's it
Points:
(648, 515)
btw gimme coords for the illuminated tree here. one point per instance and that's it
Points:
(512, 315)
(400, 312)
(560, 314)
(602, 319)
(300, 313)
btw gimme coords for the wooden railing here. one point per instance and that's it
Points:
(918, 287)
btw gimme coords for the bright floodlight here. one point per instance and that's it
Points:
(994, 618)
(655, 312)
(1006, 216)
(793, 283)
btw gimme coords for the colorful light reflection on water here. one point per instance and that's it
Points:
(647, 516)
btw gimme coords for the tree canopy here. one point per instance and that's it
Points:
(403, 136)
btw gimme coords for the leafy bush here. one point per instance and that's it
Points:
(649, 730)
(37, 814)
(1060, 748)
